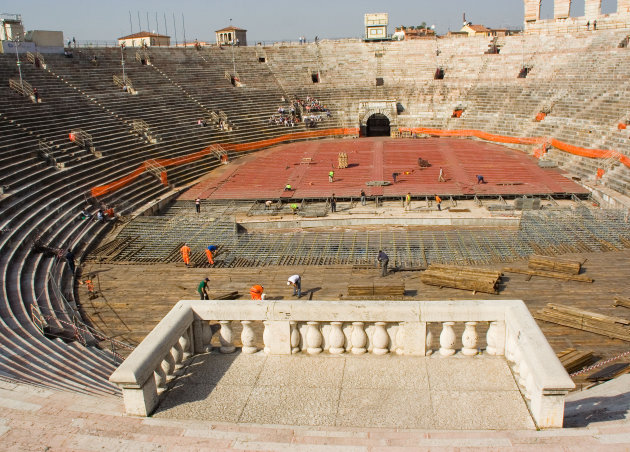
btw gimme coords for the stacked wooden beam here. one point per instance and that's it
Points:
(554, 264)
(555, 275)
(622, 301)
(465, 278)
(573, 360)
(615, 327)
(392, 290)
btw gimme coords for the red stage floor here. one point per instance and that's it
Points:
(265, 174)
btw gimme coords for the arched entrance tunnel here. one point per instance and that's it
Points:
(377, 126)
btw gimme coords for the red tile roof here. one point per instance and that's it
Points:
(144, 34)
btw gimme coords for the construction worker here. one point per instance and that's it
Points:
(185, 250)
(296, 282)
(209, 251)
(256, 292)
(438, 201)
(331, 176)
(441, 176)
(384, 260)
(408, 201)
(202, 289)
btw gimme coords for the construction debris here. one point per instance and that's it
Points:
(614, 327)
(474, 279)
(342, 160)
(556, 275)
(573, 360)
(554, 264)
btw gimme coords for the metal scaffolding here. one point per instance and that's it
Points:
(549, 232)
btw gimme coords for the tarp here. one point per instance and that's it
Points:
(239, 147)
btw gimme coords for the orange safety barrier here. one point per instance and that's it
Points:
(621, 126)
(240, 147)
(164, 178)
(600, 173)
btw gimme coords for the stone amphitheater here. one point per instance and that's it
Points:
(403, 365)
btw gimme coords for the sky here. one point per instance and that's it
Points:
(265, 20)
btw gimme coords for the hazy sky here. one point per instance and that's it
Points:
(265, 20)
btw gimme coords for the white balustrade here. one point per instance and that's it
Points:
(316, 325)
(358, 338)
(248, 337)
(469, 339)
(447, 339)
(314, 338)
(336, 338)
(225, 337)
(380, 339)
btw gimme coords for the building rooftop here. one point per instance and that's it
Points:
(230, 28)
(144, 34)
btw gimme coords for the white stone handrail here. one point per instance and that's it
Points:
(354, 327)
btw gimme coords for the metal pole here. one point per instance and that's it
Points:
(175, 28)
(130, 24)
(17, 56)
(233, 41)
(139, 24)
(165, 26)
(184, 27)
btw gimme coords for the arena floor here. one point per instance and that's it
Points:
(305, 166)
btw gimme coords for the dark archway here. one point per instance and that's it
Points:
(377, 126)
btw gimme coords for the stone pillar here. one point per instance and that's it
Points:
(469, 339)
(592, 8)
(277, 337)
(495, 338)
(532, 10)
(380, 339)
(314, 338)
(294, 336)
(141, 401)
(561, 9)
(547, 407)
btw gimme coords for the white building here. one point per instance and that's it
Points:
(144, 38)
(376, 26)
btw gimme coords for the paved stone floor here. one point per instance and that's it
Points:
(349, 391)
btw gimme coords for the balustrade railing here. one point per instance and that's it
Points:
(354, 328)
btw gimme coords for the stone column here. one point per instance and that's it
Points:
(313, 338)
(248, 337)
(532, 10)
(592, 9)
(336, 339)
(447, 339)
(469, 339)
(358, 338)
(561, 9)
(380, 339)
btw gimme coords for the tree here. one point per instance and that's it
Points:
(422, 25)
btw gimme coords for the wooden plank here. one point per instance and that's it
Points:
(555, 275)
(622, 301)
(610, 372)
(567, 322)
(554, 264)
(588, 314)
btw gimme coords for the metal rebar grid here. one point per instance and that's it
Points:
(554, 232)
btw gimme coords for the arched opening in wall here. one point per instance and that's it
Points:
(577, 8)
(377, 126)
(609, 6)
(546, 9)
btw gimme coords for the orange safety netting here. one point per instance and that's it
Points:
(238, 147)
(575, 150)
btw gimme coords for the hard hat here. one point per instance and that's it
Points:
(288, 283)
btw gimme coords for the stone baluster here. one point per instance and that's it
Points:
(160, 377)
(495, 338)
(168, 364)
(429, 340)
(336, 338)
(469, 339)
(186, 343)
(267, 337)
(313, 338)
(178, 354)
(295, 336)
(358, 338)
(447, 339)
(248, 337)
(225, 337)
(400, 339)
(380, 339)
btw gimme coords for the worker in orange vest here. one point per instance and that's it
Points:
(209, 251)
(257, 292)
(438, 201)
(185, 250)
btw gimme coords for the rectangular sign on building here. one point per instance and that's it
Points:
(376, 25)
